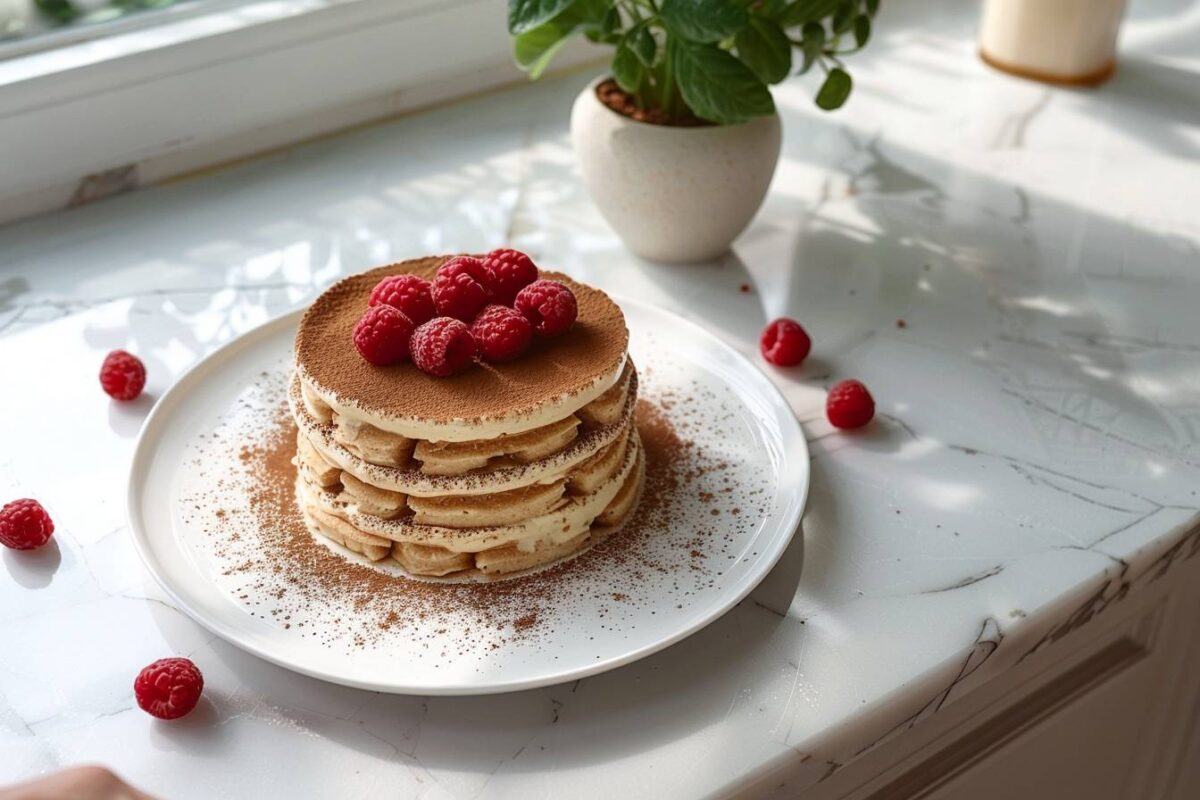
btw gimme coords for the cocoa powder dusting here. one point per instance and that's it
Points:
(280, 571)
(594, 347)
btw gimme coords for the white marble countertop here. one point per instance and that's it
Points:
(1036, 448)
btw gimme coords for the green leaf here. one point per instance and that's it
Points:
(704, 21)
(814, 35)
(525, 15)
(715, 85)
(607, 30)
(773, 9)
(58, 10)
(862, 30)
(834, 90)
(597, 36)
(843, 18)
(642, 42)
(627, 69)
(534, 49)
(611, 21)
(765, 49)
(807, 11)
(813, 42)
(872, 7)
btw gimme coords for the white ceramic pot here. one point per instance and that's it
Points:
(673, 194)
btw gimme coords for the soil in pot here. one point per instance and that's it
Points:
(620, 101)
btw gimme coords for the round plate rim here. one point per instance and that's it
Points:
(792, 435)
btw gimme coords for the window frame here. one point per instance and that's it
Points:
(111, 113)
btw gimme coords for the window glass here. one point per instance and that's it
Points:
(31, 25)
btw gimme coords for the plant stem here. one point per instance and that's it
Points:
(667, 89)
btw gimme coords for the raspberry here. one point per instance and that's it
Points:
(122, 375)
(784, 343)
(510, 271)
(443, 346)
(460, 288)
(169, 688)
(502, 333)
(408, 293)
(381, 336)
(849, 405)
(25, 525)
(548, 305)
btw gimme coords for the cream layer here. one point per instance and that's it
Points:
(461, 429)
(573, 518)
(411, 481)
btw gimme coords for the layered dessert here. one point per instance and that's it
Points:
(494, 432)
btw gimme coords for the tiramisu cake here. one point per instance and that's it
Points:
(465, 416)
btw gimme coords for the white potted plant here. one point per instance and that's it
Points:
(678, 145)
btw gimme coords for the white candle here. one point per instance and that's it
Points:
(1063, 41)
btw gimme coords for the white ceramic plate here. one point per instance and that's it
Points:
(733, 414)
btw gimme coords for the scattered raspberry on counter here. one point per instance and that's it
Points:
(169, 688)
(849, 405)
(122, 376)
(784, 343)
(25, 525)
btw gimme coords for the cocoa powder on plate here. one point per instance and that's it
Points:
(282, 572)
